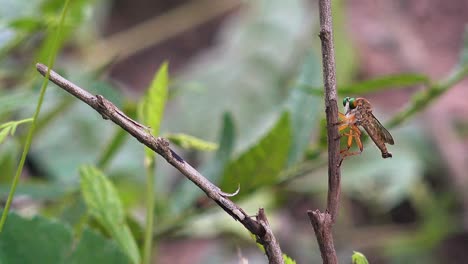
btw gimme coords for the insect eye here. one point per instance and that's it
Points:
(345, 100)
(352, 103)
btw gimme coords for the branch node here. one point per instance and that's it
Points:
(161, 146)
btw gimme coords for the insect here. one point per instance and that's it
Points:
(358, 112)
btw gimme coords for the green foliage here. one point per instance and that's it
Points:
(105, 206)
(422, 99)
(151, 108)
(150, 111)
(261, 164)
(255, 61)
(48, 241)
(52, 52)
(112, 148)
(212, 170)
(359, 258)
(263, 52)
(38, 239)
(190, 142)
(93, 248)
(403, 81)
(304, 109)
(288, 260)
(10, 127)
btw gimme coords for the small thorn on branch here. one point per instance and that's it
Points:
(260, 228)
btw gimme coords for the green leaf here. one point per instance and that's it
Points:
(227, 138)
(4, 132)
(151, 108)
(14, 124)
(190, 142)
(288, 260)
(262, 163)
(404, 80)
(105, 206)
(112, 148)
(41, 240)
(34, 240)
(250, 76)
(94, 248)
(26, 24)
(304, 109)
(212, 170)
(359, 258)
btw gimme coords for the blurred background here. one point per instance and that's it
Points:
(246, 76)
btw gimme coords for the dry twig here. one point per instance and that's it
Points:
(323, 222)
(260, 227)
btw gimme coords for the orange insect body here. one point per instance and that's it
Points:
(358, 112)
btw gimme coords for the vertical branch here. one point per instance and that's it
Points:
(331, 107)
(323, 222)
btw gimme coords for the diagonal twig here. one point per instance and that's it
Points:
(260, 227)
(323, 222)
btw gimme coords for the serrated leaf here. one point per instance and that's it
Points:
(104, 205)
(359, 258)
(288, 260)
(262, 163)
(190, 142)
(94, 248)
(151, 108)
(304, 109)
(34, 240)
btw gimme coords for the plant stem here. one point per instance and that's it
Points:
(27, 144)
(422, 99)
(111, 149)
(147, 249)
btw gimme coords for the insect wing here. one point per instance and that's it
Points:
(382, 131)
